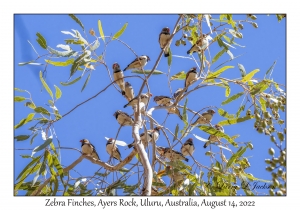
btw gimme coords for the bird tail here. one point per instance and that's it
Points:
(194, 123)
(125, 105)
(186, 159)
(180, 116)
(125, 68)
(206, 144)
(123, 92)
(130, 145)
(188, 52)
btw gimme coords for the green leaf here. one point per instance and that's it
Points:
(225, 114)
(57, 165)
(30, 105)
(184, 118)
(124, 169)
(252, 178)
(21, 137)
(215, 132)
(77, 63)
(232, 98)
(70, 83)
(42, 146)
(55, 185)
(102, 174)
(32, 138)
(147, 72)
(235, 120)
(176, 132)
(227, 91)
(101, 30)
(61, 53)
(158, 184)
(242, 70)
(53, 148)
(120, 32)
(260, 87)
(180, 76)
(271, 68)
(19, 98)
(219, 72)
(34, 160)
(77, 20)
(45, 85)
(184, 115)
(242, 108)
(235, 156)
(73, 41)
(42, 110)
(170, 57)
(17, 89)
(25, 156)
(61, 63)
(250, 75)
(218, 55)
(25, 120)
(86, 81)
(263, 104)
(58, 92)
(41, 40)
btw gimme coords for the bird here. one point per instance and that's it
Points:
(191, 76)
(152, 134)
(88, 149)
(123, 118)
(174, 155)
(176, 94)
(174, 174)
(162, 100)
(163, 40)
(205, 118)
(174, 110)
(119, 77)
(188, 147)
(201, 44)
(112, 149)
(138, 63)
(213, 138)
(129, 92)
(144, 99)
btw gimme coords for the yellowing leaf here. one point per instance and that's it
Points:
(101, 30)
(120, 32)
(250, 75)
(45, 85)
(180, 76)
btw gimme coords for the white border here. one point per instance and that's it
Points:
(154, 6)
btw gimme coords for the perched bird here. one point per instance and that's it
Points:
(119, 77)
(138, 63)
(152, 134)
(144, 99)
(188, 147)
(201, 44)
(129, 92)
(173, 110)
(176, 94)
(206, 117)
(174, 174)
(163, 39)
(123, 118)
(162, 100)
(88, 149)
(191, 76)
(173, 154)
(213, 138)
(112, 149)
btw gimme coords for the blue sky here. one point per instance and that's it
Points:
(94, 120)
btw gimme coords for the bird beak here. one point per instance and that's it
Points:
(81, 141)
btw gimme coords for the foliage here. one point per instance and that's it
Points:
(265, 99)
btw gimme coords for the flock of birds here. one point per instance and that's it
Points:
(125, 119)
